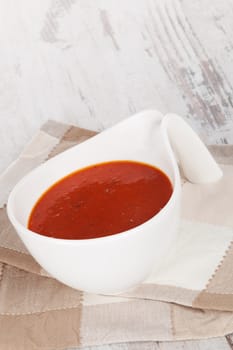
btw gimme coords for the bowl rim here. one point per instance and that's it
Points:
(25, 230)
(171, 202)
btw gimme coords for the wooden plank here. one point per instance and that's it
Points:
(95, 64)
(205, 344)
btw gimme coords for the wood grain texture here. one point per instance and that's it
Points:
(95, 63)
(209, 344)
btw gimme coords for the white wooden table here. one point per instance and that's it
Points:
(93, 63)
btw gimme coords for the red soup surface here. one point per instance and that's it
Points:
(101, 200)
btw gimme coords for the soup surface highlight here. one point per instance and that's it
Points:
(101, 200)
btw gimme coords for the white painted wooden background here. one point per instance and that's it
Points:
(95, 62)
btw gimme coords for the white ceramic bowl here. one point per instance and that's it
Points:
(111, 264)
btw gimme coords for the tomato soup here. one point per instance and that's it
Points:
(101, 200)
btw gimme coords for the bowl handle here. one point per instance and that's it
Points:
(195, 160)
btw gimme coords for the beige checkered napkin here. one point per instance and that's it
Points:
(41, 313)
